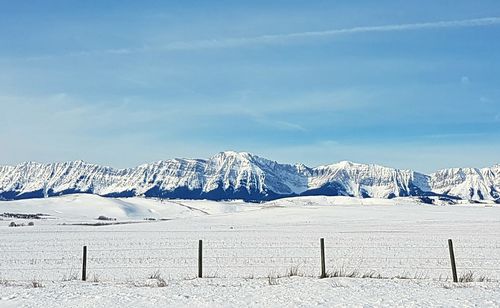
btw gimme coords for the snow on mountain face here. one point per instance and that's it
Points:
(246, 171)
(468, 183)
(233, 175)
(374, 181)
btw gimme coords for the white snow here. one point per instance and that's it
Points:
(84, 207)
(243, 172)
(471, 183)
(243, 245)
(289, 292)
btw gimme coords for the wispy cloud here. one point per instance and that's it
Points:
(484, 99)
(234, 42)
(275, 38)
(280, 124)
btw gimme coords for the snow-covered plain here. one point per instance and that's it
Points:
(243, 245)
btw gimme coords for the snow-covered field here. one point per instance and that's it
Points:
(243, 245)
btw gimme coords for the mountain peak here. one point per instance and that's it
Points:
(235, 154)
(242, 175)
(346, 163)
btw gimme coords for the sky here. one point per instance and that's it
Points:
(413, 84)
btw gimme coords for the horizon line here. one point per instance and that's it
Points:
(242, 152)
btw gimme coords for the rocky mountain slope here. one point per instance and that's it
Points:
(233, 175)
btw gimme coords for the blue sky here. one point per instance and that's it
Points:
(409, 85)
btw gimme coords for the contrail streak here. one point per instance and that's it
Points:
(272, 38)
(290, 37)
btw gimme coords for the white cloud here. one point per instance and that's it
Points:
(279, 124)
(484, 99)
(465, 80)
(272, 38)
(286, 37)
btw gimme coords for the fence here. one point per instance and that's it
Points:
(246, 259)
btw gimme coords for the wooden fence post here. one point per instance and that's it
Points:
(452, 259)
(200, 259)
(84, 265)
(323, 265)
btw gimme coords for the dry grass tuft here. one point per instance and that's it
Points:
(36, 284)
(466, 277)
(342, 272)
(272, 279)
(159, 281)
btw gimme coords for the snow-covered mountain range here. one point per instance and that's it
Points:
(233, 175)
